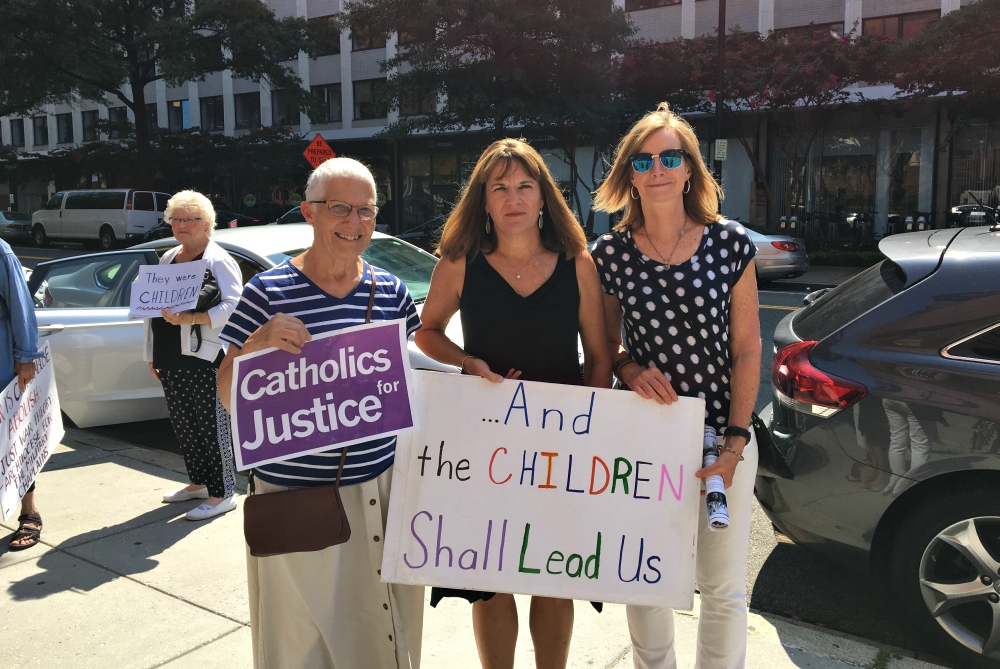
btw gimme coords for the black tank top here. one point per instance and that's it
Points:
(536, 334)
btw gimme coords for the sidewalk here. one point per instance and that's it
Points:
(817, 277)
(125, 581)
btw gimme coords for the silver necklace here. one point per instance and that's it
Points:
(517, 272)
(666, 259)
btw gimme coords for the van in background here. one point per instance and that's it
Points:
(98, 218)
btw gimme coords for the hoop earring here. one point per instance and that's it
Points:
(540, 211)
(687, 186)
(488, 221)
(634, 192)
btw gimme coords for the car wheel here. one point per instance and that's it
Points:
(39, 237)
(945, 567)
(107, 239)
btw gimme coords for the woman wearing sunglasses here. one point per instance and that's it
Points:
(679, 281)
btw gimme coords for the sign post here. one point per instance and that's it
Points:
(318, 151)
(545, 489)
(30, 429)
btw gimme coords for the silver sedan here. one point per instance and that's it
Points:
(778, 256)
(81, 304)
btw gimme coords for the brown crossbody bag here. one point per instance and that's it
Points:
(302, 519)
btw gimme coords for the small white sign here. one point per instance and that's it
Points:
(172, 287)
(546, 489)
(30, 429)
(721, 148)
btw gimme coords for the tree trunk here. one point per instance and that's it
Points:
(143, 136)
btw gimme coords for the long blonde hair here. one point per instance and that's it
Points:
(701, 203)
(465, 234)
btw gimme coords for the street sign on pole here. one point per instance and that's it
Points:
(721, 148)
(318, 152)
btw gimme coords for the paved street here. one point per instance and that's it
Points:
(783, 579)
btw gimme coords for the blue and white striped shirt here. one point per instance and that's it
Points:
(284, 289)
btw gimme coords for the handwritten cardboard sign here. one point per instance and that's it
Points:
(546, 489)
(345, 387)
(30, 429)
(172, 287)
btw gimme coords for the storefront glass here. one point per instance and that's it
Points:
(975, 172)
(845, 186)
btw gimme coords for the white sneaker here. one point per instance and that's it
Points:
(184, 495)
(204, 511)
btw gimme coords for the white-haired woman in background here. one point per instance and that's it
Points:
(184, 352)
(328, 609)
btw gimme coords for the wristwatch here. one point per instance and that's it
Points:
(733, 431)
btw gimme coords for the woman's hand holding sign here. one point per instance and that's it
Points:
(478, 367)
(282, 332)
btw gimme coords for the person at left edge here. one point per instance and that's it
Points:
(328, 609)
(184, 351)
(18, 351)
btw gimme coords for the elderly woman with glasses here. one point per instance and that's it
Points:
(328, 608)
(184, 352)
(680, 284)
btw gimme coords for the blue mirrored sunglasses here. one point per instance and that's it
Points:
(670, 159)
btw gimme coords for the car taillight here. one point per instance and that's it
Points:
(785, 246)
(232, 223)
(128, 202)
(802, 387)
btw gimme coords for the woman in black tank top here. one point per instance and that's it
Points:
(515, 264)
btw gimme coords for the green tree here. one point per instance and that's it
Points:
(55, 51)
(545, 68)
(957, 57)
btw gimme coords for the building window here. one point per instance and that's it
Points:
(286, 55)
(406, 38)
(330, 95)
(634, 5)
(247, 107)
(152, 115)
(17, 132)
(365, 41)
(89, 125)
(64, 128)
(280, 113)
(330, 45)
(414, 105)
(179, 115)
(40, 125)
(117, 118)
(213, 115)
(905, 26)
(807, 32)
(364, 93)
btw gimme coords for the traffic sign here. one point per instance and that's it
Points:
(295, 199)
(721, 149)
(249, 199)
(318, 152)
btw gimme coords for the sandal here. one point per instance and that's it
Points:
(32, 533)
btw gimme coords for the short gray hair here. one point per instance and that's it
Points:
(333, 169)
(192, 200)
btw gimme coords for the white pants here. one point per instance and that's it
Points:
(721, 575)
(906, 434)
(329, 609)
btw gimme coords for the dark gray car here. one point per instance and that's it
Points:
(886, 416)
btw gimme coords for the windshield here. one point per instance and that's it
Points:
(411, 265)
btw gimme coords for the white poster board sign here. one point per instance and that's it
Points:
(30, 429)
(172, 287)
(546, 489)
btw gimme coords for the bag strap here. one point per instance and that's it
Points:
(368, 319)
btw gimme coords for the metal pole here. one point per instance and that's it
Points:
(720, 86)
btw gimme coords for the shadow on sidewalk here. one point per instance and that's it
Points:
(60, 576)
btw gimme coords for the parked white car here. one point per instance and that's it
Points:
(81, 304)
(98, 217)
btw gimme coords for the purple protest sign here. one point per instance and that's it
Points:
(345, 387)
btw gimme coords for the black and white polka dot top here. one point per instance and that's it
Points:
(661, 306)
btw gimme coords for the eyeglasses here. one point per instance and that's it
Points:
(366, 212)
(184, 221)
(670, 159)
